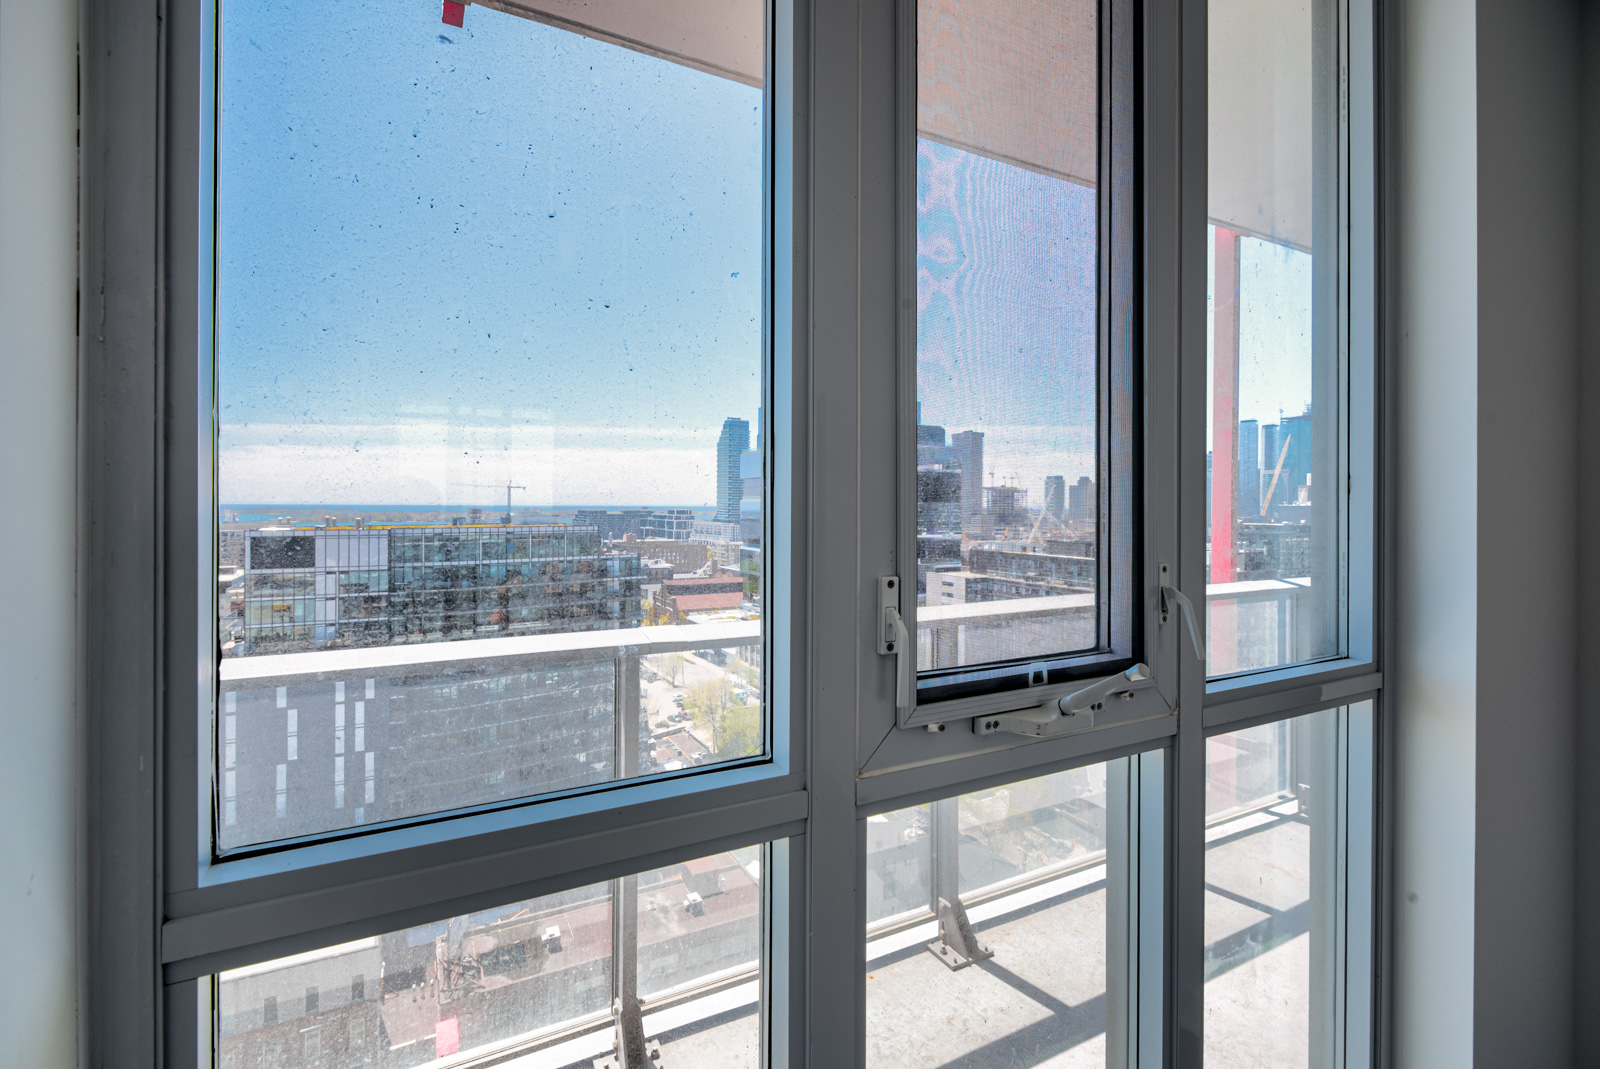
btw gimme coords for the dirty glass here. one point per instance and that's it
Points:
(537, 979)
(489, 369)
(1021, 869)
(1277, 845)
(1275, 491)
(1008, 466)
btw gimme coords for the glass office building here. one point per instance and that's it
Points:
(316, 587)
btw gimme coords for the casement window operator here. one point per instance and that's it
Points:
(1067, 715)
(1070, 714)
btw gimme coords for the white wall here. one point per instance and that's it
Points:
(39, 784)
(1434, 676)
(1487, 603)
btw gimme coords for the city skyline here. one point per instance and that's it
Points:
(512, 290)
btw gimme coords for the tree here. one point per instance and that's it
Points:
(709, 703)
(728, 728)
(673, 669)
(747, 675)
(741, 732)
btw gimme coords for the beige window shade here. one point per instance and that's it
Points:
(1260, 72)
(722, 37)
(1016, 80)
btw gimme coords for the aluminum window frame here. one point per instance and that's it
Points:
(170, 913)
(891, 742)
(188, 501)
(1120, 626)
(154, 932)
(1362, 424)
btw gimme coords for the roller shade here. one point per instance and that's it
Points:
(1016, 80)
(722, 37)
(1009, 79)
(1260, 73)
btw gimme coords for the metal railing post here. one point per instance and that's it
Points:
(627, 712)
(957, 945)
(630, 1048)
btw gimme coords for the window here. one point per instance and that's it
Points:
(1022, 465)
(1288, 820)
(473, 359)
(998, 922)
(1284, 364)
(501, 531)
(681, 945)
(708, 513)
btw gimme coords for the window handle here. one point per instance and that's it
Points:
(1093, 697)
(1173, 594)
(1069, 715)
(894, 640)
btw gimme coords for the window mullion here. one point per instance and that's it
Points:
(840, 586)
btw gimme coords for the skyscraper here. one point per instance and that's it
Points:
(1082, 504)
(1270, 439)
(1249, 486)
(750, 502)
(1297, 462)
(1055, 497)
(969, 455)
(732, 444)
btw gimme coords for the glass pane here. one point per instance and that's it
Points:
(1008, 464)
(700, 928)
(1274, 866)
(1030, 863)
(534, 980)
(1274, 342)
(489, 371)
(1028, 827)
(899, 853)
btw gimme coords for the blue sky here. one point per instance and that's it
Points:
(1274, 328)
(455, 256)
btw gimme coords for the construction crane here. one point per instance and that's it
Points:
(509, 485)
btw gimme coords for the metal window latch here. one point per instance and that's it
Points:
(1069, 715)
(894, 640)
(1171, 595)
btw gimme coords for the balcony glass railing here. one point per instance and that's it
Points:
(321, 741)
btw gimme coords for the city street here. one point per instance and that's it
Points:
(692, 670)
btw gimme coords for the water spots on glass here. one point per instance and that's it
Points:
(489, 364)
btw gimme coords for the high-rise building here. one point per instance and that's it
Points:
(933, 451)
(1081, 501)
(750, 495)
(1270, 437)
(306, 587)
(1297, 459)
(1249, 486)
(733, 443)
(1007, 507)
(675, 524)
(969, 458)
(614, 526)
(1055, 497)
